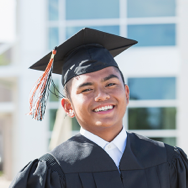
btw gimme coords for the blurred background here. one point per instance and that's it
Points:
(156, 70)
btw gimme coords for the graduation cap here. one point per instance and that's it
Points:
(87, 51)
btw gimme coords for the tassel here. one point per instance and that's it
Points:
(40, 92)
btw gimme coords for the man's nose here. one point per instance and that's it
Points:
(101, 95)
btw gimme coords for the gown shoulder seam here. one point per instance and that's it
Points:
(54, 165)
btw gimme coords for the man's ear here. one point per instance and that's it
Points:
(67, 106)
(127, 93)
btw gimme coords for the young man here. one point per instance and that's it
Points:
(103, 155)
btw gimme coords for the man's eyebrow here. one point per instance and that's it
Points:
(85, 84)
(104, 79)
(109, 77)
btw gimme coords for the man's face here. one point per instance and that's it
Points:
(98, 100)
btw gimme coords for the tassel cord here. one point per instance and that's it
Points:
(40, 92)
(55, 91)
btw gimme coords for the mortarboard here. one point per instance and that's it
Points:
(87, 51)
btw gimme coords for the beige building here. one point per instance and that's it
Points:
(155, 70)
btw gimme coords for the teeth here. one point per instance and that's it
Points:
(104, 108)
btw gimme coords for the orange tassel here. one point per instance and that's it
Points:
(40, 91)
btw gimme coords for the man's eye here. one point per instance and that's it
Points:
(85, 90)
(111, 84)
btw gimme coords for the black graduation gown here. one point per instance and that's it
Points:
(144, 164)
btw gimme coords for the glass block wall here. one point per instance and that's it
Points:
(152, 107)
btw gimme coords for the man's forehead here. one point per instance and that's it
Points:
(95, 76)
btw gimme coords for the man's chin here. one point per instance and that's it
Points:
(104, 124)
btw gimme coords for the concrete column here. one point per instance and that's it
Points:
(182, 92)
(5, 129)
(8, 146)
(30, 139)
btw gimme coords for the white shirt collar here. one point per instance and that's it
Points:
(119, 141)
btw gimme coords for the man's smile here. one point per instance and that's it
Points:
(104, 108)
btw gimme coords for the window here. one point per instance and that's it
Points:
(168, 140)
(153, 34)
(53, 104)
(53, 37)
(152, 23)
(150, 8)
(152, 118)
(111, 29)
(53, 13)
(152, 107)
(75, 125)
(84, 9)
(52, 118)
(152, 88)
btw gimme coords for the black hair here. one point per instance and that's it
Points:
(121, 74)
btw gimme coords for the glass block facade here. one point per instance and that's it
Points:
(152, 107)
(152, 23)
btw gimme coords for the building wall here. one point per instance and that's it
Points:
(183, 76)
(156, 57)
